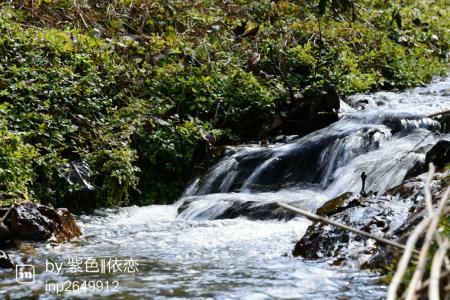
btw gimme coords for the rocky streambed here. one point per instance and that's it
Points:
(392, 215)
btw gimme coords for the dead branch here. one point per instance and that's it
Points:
(435, 276)
(421, 263)
(404, 261)
(439, 113)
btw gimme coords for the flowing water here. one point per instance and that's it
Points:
(192, 255)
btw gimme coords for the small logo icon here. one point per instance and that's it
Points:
(25, 273)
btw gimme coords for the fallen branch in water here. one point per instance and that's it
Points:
(317, 218)
(439, 113)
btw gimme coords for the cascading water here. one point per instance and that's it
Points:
(385, 140)
(191, 256)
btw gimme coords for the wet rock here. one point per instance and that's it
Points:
(252, 210)
(384, 256)
(321, 240)
(417, 169)
(405, 190)
(332, 206)
(256, 211)
(440, 153)
(185, 204)
(5, 261)
(317, 245)
(444, 120)
(391, 215)
(31, 222)
(308, 112)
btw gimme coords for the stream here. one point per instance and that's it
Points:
(191, 250)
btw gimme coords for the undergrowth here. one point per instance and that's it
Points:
(131, 86)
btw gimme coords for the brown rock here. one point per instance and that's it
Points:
(31, 222)
(332, 206)
(403, 190)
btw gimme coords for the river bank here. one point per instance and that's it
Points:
(108, 104)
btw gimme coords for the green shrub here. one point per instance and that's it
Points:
(16, 172)
(131, 87)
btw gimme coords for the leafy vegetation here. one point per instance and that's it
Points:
(132, 86)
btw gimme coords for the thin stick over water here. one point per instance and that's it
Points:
(318, 218)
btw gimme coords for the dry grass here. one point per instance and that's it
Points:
(418, 286)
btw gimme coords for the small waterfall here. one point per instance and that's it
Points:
(343, 150)
(385, 139)
(251, 180)
(213, 206)
(218, 174)
(191, 188)
(385, 167)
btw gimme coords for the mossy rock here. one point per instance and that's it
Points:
(332, 206)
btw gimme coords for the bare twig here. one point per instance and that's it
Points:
(404, 261)
(426, 283)
(2, 219)
(4, 231)
(432, 221)
(421, 263)
(433, 290)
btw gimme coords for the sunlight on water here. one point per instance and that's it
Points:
(223, 259)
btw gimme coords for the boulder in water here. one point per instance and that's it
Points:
(444, 120)
(28, 221)
(439, 155)
(235, 208)
(332, 206)
(256, 211)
